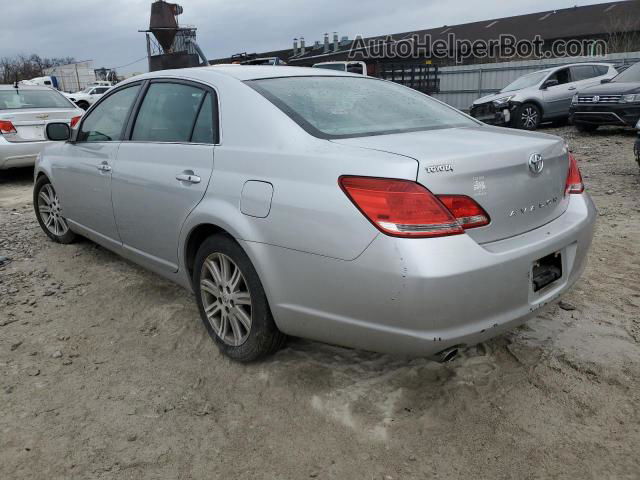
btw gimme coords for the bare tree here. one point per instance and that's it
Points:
(25, 67)
(623, 34)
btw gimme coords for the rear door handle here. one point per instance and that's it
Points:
(104, 167)
(188, 177)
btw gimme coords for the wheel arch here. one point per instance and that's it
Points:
(196, 236)
(537, 103)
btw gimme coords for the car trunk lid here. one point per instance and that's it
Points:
(30, 123)
(491, 166)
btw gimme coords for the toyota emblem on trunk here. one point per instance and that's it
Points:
(536, 163)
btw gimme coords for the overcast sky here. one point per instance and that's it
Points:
(106, 31)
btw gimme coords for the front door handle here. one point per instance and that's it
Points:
(572, 88)
(188, 177)
(104, 167)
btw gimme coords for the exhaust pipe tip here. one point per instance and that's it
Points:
(446, 355)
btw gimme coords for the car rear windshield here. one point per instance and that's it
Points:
(631, 74)
(21, 99)
(342, 107)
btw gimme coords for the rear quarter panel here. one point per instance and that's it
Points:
(309, 212)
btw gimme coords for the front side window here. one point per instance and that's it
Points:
(106, 122)
(19, 99)
(168, 113)
(562, 76)
(341, 107)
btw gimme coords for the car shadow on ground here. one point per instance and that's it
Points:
(16, 176)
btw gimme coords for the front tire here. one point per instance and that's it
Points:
(49, 212)
(528, 116)
(232, 302)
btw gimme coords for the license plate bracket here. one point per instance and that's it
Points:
(546, 271)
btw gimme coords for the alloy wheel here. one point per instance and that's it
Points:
(529, 117)
(50, 211)
(226, 299)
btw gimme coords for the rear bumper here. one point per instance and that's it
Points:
(626, 115)
(419, 296)
(19, 154)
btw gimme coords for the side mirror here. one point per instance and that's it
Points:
(58, 132)
(550, 83)
(605, 80)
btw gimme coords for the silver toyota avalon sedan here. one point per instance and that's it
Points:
(321, 204)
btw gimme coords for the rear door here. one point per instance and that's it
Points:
(82, 170)
(162, 172)
(585, 76)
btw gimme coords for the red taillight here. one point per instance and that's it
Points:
(468, 213)
(401, 208)
(7, 127)
(75, 120)
(574, 178)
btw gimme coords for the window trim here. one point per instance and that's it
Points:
(133, 116)
(102, 99)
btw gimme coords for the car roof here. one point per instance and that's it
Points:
(243, 72)
(25, 87)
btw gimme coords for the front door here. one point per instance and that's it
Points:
(83, 168)
(557, 99)
(162, 173)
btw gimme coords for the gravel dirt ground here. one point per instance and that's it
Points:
(106, 372)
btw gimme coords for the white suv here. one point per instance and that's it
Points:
(87, 97)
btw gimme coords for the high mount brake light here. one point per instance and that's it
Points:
(7, 127)
(574, 178)
(403, 208)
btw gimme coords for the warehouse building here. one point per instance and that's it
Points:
(616, 25)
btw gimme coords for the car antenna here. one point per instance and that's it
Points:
(15, 85)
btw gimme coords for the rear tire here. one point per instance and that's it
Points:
(49, 212)
(527, 116)
(232, 302)
(586, 127)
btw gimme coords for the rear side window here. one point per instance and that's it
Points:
(601, 69)
(168, 113)
(203, 130)
(583, 72)
(106, 122)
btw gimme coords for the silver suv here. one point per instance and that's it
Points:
(539, 96)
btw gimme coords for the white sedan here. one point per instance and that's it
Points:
(24, 114)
